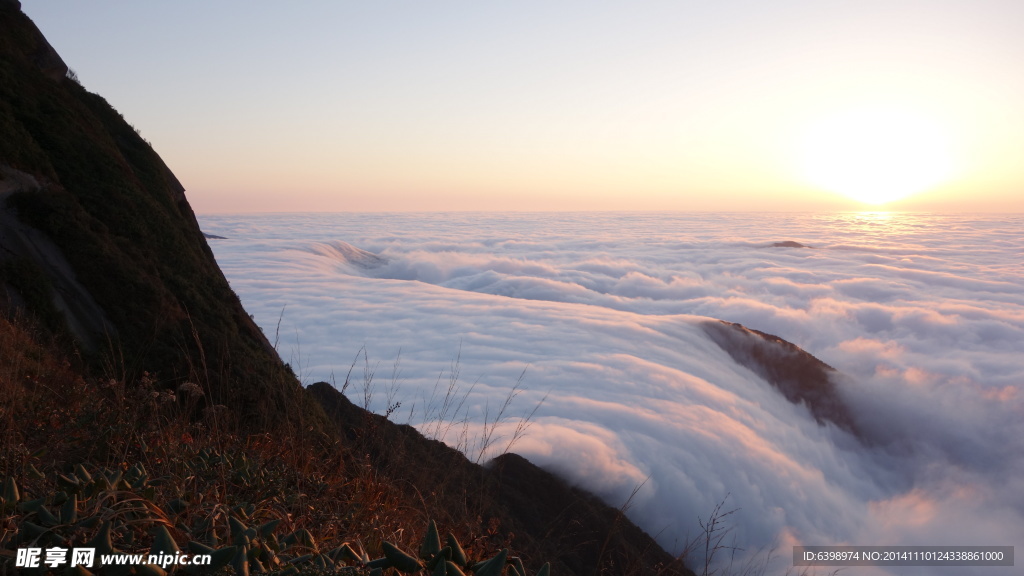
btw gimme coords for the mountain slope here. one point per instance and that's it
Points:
(105, 222)
(124, 345)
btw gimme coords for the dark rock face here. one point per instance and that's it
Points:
(96, 213)
(40, 53)
(789, 244)
(22, 245)
(49, 62)
(799, 376)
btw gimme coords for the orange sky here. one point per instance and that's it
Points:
(581, 106)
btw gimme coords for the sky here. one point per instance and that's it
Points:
(681, 105)
(601, 316)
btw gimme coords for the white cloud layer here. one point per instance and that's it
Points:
(923, 316)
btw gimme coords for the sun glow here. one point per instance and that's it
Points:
(876, 156)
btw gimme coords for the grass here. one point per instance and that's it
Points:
(365, 482)
(446, 409)
(204, 470)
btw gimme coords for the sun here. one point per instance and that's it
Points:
(876, 155)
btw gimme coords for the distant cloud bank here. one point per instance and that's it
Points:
(922, 316)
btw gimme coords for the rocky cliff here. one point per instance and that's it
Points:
(123, 346)
(105, 231)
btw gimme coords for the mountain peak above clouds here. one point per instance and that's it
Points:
(794, 372)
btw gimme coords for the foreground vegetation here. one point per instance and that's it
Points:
(141, 467)
(151, 478)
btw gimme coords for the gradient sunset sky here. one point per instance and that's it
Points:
(683, 105)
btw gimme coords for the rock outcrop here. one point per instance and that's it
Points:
(795, 373)
(22, 245)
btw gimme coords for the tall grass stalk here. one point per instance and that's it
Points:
(447, 408)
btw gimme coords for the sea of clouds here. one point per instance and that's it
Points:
(597, 319)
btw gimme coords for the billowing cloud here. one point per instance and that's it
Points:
(920, 315)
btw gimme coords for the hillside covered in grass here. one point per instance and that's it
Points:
(142, 410)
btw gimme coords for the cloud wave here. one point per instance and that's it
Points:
(922, 316)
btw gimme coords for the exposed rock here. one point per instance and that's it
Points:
(798, 375)
(789, 244)
(12, 181)
(84, 317)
